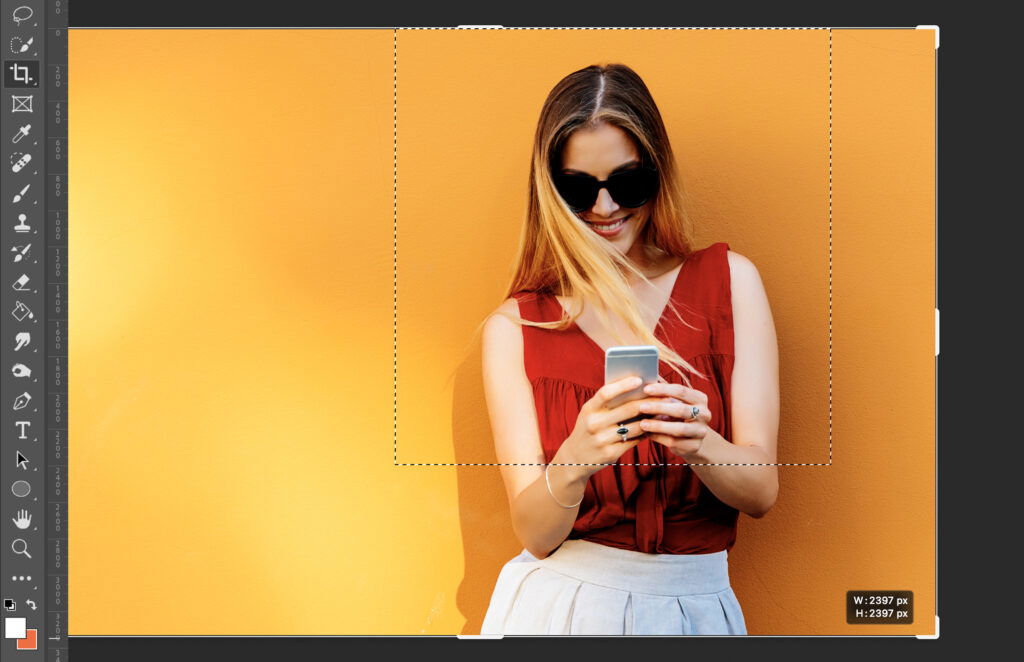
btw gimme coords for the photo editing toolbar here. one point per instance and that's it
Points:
(34, 450)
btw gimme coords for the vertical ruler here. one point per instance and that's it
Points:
(55, 628)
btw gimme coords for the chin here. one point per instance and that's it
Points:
(625, 242)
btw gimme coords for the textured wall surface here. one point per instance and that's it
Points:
(232, 360)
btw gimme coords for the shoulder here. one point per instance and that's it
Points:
(502, 347)
(723, 267)
(745, 284)
(500, 316)
(500, 330)
(741, 268)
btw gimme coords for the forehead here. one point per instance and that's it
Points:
(598, 151)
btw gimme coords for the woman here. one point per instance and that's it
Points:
(626, 526)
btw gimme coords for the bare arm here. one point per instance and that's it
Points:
(539, 523)
(539, 518)
(755, 407)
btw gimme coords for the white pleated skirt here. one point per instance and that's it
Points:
(590, 589)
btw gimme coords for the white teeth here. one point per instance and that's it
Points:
(610, 226)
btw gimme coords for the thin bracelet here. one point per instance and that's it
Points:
(548, 483)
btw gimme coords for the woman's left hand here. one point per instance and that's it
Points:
(675, 425)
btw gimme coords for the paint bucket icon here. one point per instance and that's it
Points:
(21, 311)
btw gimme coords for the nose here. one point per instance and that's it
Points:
(604, 205)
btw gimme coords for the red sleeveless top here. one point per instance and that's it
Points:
(649, 501)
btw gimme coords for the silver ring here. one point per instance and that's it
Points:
(624, 431)
(695, 411)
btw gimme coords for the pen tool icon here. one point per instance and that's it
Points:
(22, 401)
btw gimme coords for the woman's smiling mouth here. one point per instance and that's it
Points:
(609, 229)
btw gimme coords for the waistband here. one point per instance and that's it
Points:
(639, 572)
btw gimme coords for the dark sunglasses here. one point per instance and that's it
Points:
(629, 188)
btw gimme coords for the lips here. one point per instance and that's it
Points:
(606, 229)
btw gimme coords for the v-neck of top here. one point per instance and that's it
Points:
(657, 325)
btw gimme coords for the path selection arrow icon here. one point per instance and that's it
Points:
(22, 461)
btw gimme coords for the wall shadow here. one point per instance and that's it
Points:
(487, 537)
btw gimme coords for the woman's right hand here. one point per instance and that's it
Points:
(594, 441)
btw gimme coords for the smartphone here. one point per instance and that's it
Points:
(631, 360)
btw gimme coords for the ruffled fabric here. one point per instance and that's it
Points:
(650, 501)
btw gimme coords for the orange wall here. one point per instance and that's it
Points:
(231, 310)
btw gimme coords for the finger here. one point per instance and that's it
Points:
(676, 446)
(684, 393)
(662, 439)
(623, 446)
(674, 428)
(614, 434)
(613, 389)
(624, 412)
(676, 409)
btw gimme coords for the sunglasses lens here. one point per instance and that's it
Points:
(631, 188)
(578, 191)
(634, 187)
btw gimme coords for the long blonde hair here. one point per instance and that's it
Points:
(557, 252)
